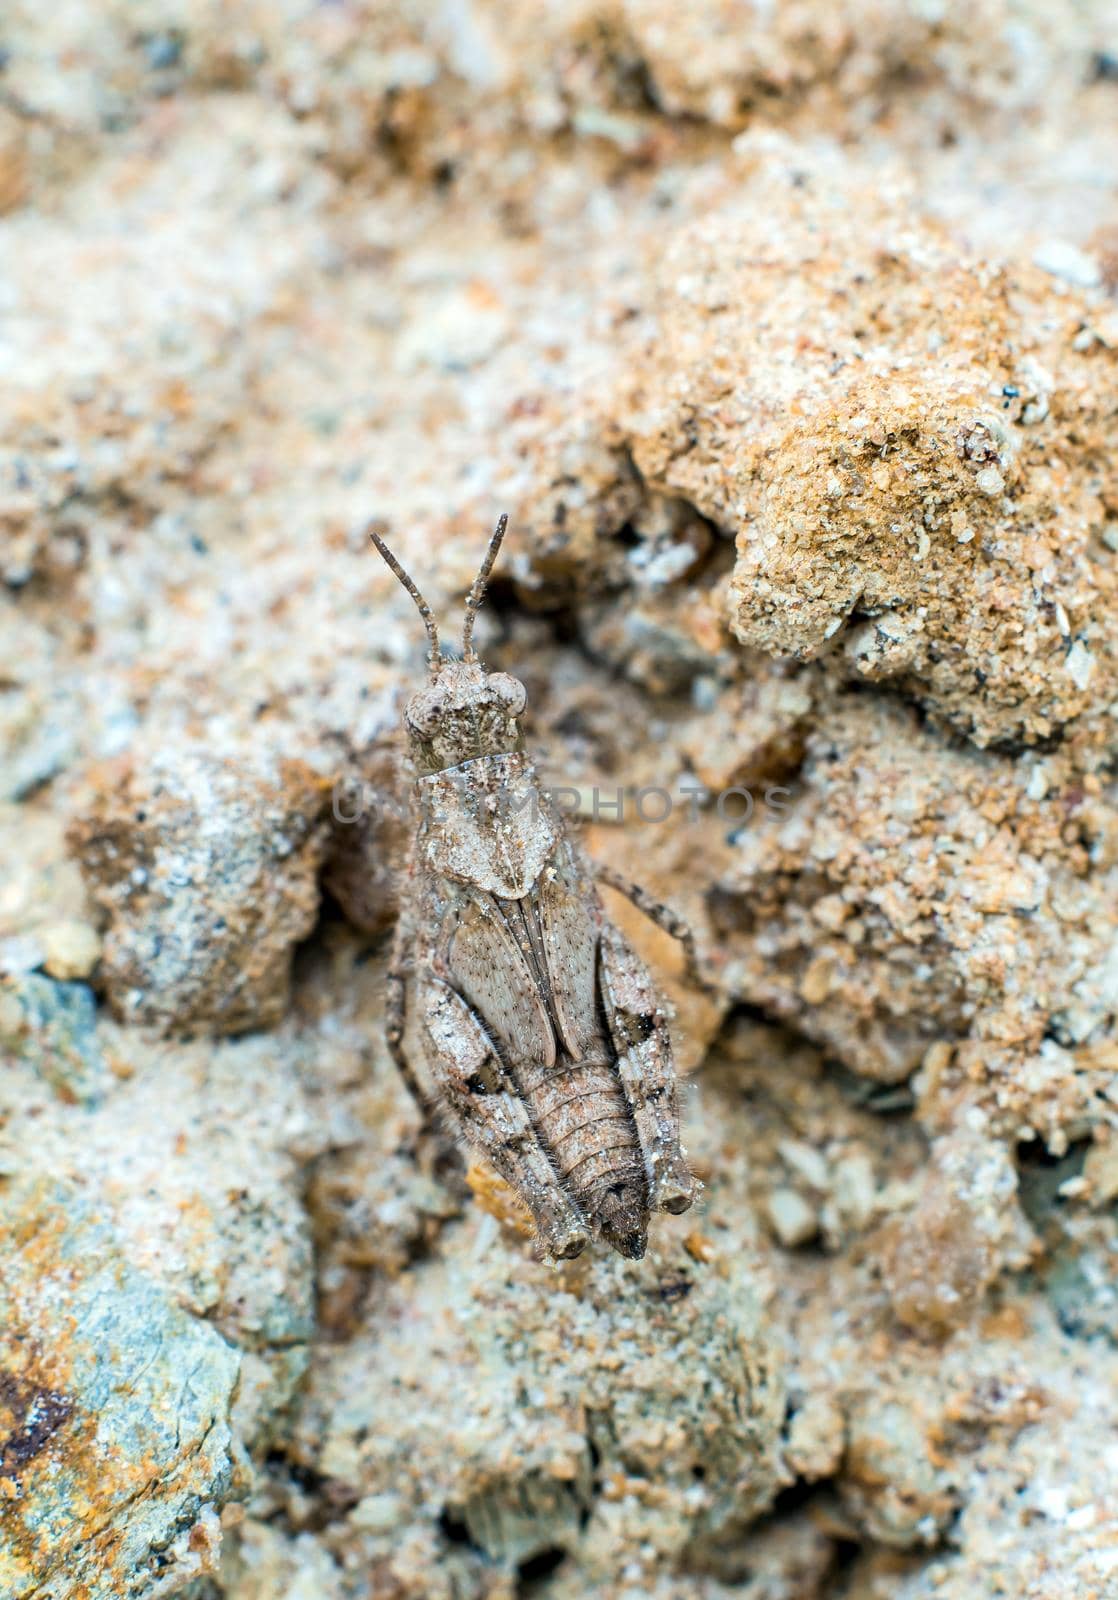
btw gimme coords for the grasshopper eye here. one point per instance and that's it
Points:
(510, 691)
(420, 718)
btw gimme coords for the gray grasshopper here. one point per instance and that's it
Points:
(542, 1030)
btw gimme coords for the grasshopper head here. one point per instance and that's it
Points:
(463, 712)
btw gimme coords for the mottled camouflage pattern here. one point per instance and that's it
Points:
(542, 1030)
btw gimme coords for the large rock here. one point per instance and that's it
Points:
(114, 1409)
(207, 868)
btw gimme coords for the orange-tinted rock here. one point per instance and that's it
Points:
(965, 1228)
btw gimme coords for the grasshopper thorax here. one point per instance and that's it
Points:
(463, 712)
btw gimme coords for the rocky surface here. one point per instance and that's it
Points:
(207, 869)
(115, 1407)
(789, 339)
(911, 454)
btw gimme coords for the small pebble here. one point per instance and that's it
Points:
(855, 1189)
(1080, 665)
(805, 1161)
(793, 1220)
(990, 481)
(71, 949)
(815, 985)
(1063, 260)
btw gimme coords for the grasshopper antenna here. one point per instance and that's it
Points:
(477, 588)
(434, 654)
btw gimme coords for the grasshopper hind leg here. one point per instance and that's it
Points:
(494, 1118)
(639, 1030)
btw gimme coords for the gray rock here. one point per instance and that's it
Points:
(51, 1026)
(114, 1406)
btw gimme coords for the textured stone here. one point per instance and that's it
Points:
(51, 1026)
(575, 1400)
(208, 872)
(902, 515)
(960, 929)
(113, 1409)
(964, 1230)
